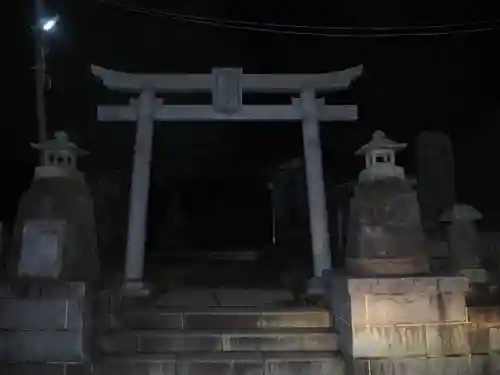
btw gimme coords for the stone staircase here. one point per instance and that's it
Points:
(218, 341)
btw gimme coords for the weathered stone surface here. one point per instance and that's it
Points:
(484, 315)
(151, 320)
(399, 366)
(453, 284)
(43, 289)
(414, 308)
(495, 339)
(42, 346)
(404, 285)
(385, 233)
(48, 314)
(282, 340)
(214, 319)
(296, 319)
(447, 339)
(211, 365)
(480, 364)
(459, 365)
(479, 339)
(379, 266)
(218, 363)
(62, 199)
(435, 175)
(245, 319)
(398, 300)
(485, 327)
(45, 321)
(42, 249)
(450, 366)
(305, 364)
(111, 368)
(494, 362)
(218, 320)
(388, 341)
(44, 369)
(181, 341)
(464, 244)
(397, 325)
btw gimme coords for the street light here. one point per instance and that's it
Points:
(43, 25)
(49, 24)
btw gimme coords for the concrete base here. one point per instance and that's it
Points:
(402, 325)
(316, 287)
(459, 365)
(135, 288)
(45, 369)
(45, 322)
(475, 275)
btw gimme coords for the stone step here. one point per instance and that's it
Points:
(224, 297)
(220, 319)
(249, 363)
(127, 342)
(45, 369)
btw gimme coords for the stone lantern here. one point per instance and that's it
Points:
(59, 156)
(465, 246)
(385, 236)
(54, 235)
(380, 158)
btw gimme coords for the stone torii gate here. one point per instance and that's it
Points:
(227, 86)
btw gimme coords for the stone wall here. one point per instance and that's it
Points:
(45, 328)
(412, 325)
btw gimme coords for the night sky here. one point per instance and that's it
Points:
(447, 82)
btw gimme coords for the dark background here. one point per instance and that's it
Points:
(446, 82)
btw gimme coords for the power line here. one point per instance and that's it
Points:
(277, 28)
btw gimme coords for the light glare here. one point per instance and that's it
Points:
(49, 24)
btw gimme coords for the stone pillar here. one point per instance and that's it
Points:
(139, 193)
(318, 216)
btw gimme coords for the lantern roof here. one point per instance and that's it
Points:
(379, 141)
(461, 212)
(60, 142)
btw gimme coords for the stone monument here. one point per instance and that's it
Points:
(385, 234)
(436, 177)
(465, 245)
(54, 235)
(392, 317)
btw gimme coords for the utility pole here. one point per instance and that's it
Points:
(40, 73)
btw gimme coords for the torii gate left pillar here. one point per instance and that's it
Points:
(228, 106)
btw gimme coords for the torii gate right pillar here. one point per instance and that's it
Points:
(318, 216)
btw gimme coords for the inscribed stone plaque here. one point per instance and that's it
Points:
(227, 92)
(41, 249)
